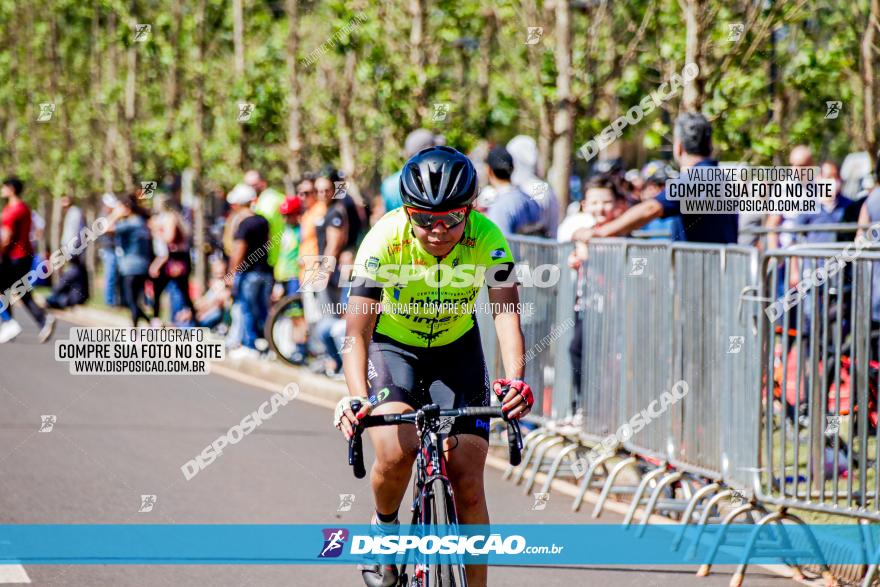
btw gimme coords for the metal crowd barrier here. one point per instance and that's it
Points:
(842, 231)
(547, 323)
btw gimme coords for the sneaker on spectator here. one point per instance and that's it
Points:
(243, 353)
(9, 330)
(47, 329)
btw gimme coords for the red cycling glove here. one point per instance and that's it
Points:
(521, 387)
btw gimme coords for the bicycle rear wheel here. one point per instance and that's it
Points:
(439, 509)
(279, 326)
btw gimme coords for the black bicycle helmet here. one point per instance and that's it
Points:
(438, 179)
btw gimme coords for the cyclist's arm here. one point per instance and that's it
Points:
(507, 326)
(360, 320)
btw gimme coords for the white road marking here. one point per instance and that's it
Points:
(13, 574)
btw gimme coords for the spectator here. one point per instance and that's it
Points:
(603, 203)
(831, 210)
(656, 174)
(173, 264)
(287, 272)
(73, 284)
(524, 152)
(128, 223)
(315, 210)
(415, 141)
(16, 260)
(211, 307)
(268, 202)
(252, 283)
(239, 199)
(107, 251)
(511, 210)
(870, 215)
(691, 147)
(800, 156)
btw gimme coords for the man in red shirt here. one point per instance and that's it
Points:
(16, 258)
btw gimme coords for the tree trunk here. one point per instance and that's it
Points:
(869, 81)
(693, 93)
(130, 114)
(563, 127)
(238, 41)
(545, 127)
(417, 54)
(343, 116)
(199, 224)
(294, 106)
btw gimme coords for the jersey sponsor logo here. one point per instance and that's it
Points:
(380, 397)
(397, 247)
(497, 253)
(372, 264)
(429, 336)
(469, 242)
(483, 423)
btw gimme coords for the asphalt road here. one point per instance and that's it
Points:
(117, 438)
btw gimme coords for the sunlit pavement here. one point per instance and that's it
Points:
(116, 438)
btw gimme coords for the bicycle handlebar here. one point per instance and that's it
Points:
(356, 447)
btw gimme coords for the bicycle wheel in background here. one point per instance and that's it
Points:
(439, 509)
(279, 326)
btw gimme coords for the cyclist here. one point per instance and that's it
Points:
(423, 345)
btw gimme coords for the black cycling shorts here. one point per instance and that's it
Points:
(452, 376)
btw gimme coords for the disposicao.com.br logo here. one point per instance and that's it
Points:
(428, 544)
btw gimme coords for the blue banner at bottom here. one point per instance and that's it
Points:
(499, 544)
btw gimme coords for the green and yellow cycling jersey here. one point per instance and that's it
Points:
(426, 300)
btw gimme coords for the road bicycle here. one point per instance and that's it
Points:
(433, 501)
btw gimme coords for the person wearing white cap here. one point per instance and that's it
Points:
(524, 151)
(415, 141)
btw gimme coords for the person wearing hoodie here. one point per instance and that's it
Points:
(524, 151)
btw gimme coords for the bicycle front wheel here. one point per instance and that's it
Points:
(439, 509)
(279, 326)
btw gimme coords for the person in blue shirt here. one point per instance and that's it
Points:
(512, 209)
(691, 147)
(415, 141)
(831, 211)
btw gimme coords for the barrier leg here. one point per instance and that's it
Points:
(529, 453)
(706, 567)
(689, 511)
(652, 503)
(704, 519)
(539, 460)
(527, 441)
(585, 484)
(557, 462)
(637, 498)
(609, 483)
(870, 574)
(830, 581)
